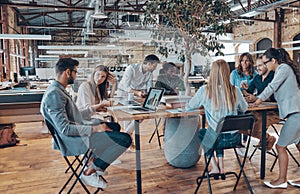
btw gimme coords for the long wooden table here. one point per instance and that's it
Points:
(20, 112)
(18, 106)
(122, 116)
(263, 109)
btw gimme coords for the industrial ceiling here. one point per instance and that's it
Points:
(71, 21)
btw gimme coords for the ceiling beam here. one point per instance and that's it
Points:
(26, 5)
(77, 8)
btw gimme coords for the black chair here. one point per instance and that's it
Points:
(226, 124)
(74, 165)
(156, 131)
(273, 152)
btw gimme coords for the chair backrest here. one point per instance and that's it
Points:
(53, 132)
(235, 122)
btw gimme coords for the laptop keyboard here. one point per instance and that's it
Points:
(140, 109)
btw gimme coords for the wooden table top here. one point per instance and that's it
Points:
(163, 113)
(264, 106)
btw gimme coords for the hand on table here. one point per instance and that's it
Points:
(141, 94)
(102, 106)
(250, 98)
(256, 103)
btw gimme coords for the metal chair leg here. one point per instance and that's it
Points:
(253, 153)
(156, 131)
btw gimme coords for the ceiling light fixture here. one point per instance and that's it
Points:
(68, 52)
(262, 51)
(99, 14)
(55, 59)
(48, 56)
(79, 47)
(25, 36)
(252, 13)
(236, 41)
(291, 42)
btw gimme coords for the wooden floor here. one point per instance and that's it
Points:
(34, 167)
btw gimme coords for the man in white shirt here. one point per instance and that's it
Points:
(137, 79)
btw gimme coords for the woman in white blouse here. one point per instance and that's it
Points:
(93, 94)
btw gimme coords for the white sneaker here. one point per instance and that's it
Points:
(101, 173)
(93, 180)
(241, 151)
(116, 162)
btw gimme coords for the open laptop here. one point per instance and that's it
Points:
(127, 102)
(150, 103)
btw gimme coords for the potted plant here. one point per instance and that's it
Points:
(188, 27)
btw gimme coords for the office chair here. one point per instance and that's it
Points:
(226, 124)
(273, 152)
(72, 165)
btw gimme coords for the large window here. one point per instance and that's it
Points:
(263, 44)
(296, 53)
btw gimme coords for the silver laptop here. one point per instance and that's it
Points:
(126, 102)
(150, 103)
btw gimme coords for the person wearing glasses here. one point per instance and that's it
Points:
(219, 99)
(285, 87)
(259, 83)
(76, 135)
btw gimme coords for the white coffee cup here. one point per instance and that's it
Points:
(130, 96)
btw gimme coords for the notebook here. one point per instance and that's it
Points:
(150, 103)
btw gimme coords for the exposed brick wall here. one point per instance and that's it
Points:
(259, 30)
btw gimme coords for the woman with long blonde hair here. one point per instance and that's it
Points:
(219, 99)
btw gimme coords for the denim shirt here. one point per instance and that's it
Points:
(213, 116)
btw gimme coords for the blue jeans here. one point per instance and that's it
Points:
(108, 146)
(208, 136)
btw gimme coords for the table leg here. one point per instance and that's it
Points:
(263, 148)
(138, 157)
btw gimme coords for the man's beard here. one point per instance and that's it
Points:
(70, 80)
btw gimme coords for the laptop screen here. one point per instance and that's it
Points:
(153, 98)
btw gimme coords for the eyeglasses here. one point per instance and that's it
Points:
(265, 63)
(74, 71)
